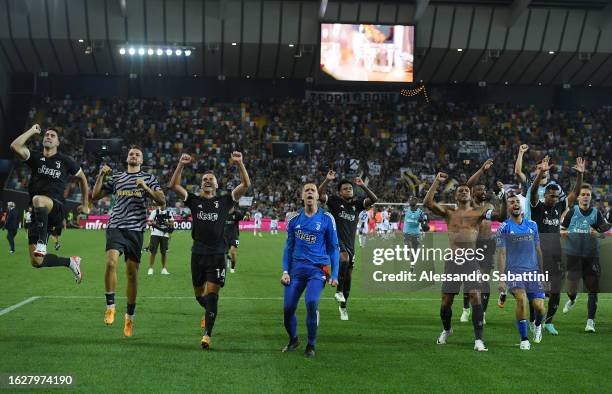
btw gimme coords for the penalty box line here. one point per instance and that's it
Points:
(18, 305)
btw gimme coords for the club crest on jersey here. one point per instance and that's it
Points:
(216, 204)
(318, 226)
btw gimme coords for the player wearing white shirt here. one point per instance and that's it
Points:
(257, 217)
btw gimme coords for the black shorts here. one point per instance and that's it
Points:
(466, 267)
(231, 241)
(553, 266)
(583, 267)
(54, 220)
(207, 268)
(156, 241)
(127, 242)
(488, 247)
(57, 231)
(412, 240)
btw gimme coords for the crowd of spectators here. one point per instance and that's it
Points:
(407, 141)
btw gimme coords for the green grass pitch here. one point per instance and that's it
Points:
(387, 346)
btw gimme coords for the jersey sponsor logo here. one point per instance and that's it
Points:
(346, 216)
(212, 217)
(551, 222)
(53, 173)
(310, 238)
(129, 193)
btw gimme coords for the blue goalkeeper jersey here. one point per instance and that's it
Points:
(313, 241)
(412, 221)
(520, 242)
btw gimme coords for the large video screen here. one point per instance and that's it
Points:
(373, 53)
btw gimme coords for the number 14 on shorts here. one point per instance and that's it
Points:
(220, 273)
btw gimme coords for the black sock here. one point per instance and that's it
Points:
(572, 297)
(446, 314)
(202, 301)
(233, 264)
(346, 289)
(342, 276)
(42, 219)
(538, 318)
(592, 305)
(466, 300)
(486, 290)
(130, 309)
(51, 260)
(110, 298)
(211, 312)
(477, 315)
(531, 313)
(553, 304)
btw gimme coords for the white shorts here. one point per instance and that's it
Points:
(257, 225)
(394, 226)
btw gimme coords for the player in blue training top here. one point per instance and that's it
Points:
(414, 217)
(312, 244)
(520, 260)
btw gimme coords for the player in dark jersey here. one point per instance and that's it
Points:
(345, 210)
(210, 213)
(547, 216)
(485, 241)
(583, 226)
(126, 227)
(232, 236)
(51, 171)
(463, 225)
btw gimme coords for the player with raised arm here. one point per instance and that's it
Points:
(547, 215)
(50, 172)
(210, 213)
(583, 226)
(485, 241)
(345, 209)
(124, 234)
(312, 245)
(463, 224)
(520, 260)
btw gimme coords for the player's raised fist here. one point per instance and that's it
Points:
(331, 175)
(441, 177)
(36, 129)
(185, 159)
(487, 164)
(140, 183)
(523, 148)
(359, 182)
(236, 157)
(105, 170)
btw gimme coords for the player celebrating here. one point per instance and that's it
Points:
(231, 234)
(583, 226)
(162, 225)
(547, 216)
(210, 213)
(50, 171)
(519, 255)
(344, 209)
(312, 244)
(126, 227)
(463, 224)
(413, 218)
(484, 242)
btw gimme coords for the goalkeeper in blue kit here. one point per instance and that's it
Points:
(312, 245)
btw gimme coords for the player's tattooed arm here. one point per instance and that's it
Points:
(541, 168)
(175, 181)
(245, 181)
(579, 167)
(331, 175)
(157, 195)
(18, 145)
(429, 202)
(84, 185)
(518, 165)
(371, 199)
(484, 168)
(97, 192)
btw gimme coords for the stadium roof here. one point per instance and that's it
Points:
(524, 42)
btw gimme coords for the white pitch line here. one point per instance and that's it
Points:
(252, 298)
(22, 303)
